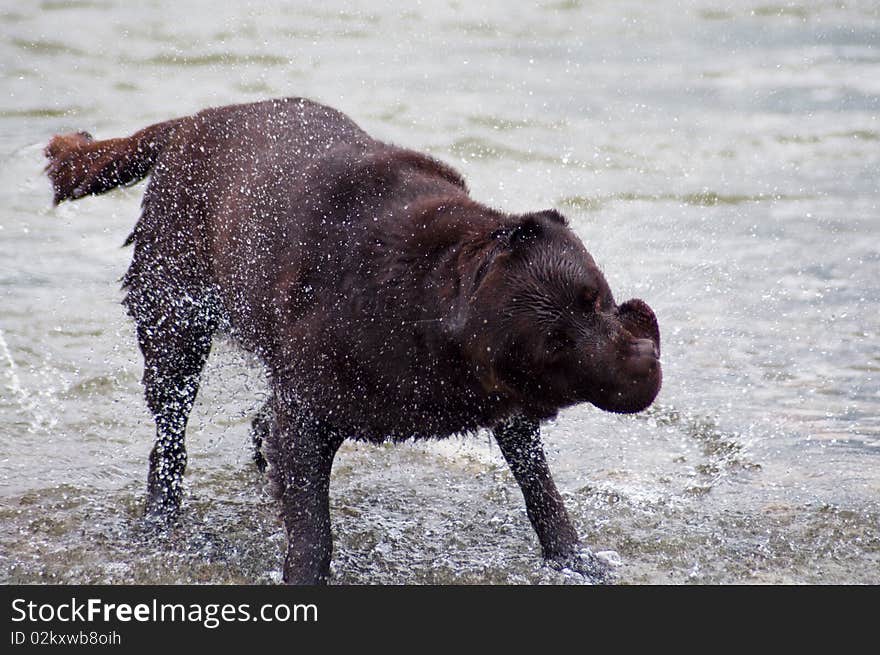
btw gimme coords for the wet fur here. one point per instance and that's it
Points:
(383, 300)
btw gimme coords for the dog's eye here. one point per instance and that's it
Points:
(557, 341)
(482, 270)
(590, 299)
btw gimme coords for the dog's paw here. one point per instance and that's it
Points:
(162, 509)
(588, 567)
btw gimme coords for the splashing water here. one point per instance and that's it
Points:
(719, 161)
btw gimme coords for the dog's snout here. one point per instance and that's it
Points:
(644, 348)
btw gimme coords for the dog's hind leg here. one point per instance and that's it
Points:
(261, 428)
(175, 338)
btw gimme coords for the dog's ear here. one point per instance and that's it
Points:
(528, 230)
(551, 215)
(505, 241)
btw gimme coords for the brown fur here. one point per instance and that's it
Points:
(80, 166)
(383, 300)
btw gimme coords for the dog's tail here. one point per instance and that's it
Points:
(79, 166)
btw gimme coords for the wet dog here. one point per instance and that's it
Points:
(385, 303)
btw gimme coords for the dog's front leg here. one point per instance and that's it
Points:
(520, 442)
(301, 455)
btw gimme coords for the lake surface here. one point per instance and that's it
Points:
(719, 160)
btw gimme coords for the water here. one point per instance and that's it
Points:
(719, 160)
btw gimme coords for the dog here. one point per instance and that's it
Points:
(385, 303)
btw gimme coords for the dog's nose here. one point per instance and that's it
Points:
(644, 348)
